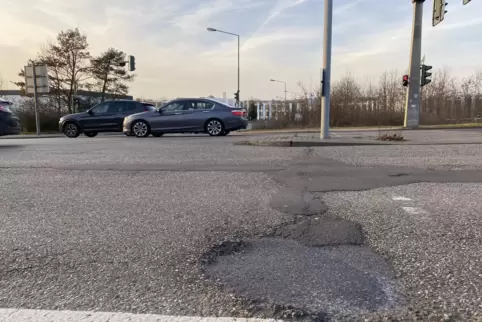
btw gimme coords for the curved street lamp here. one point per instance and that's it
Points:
(233, 34)
(278, 81)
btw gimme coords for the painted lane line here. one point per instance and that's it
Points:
(400, 198)
(24, 315)
(415, 211)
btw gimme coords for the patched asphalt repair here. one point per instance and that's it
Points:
(318, 266)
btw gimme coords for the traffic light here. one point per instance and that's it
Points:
(466, 1)
(438, 11)
(425, 75)
(236, 96)
(132, 63)
(405, 80)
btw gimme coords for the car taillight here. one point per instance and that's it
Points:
(238, 113)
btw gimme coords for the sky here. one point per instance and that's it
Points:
(280, 39)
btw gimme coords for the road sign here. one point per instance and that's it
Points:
(41, 79)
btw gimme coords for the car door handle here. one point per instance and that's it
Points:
(177, 113)
(206, 111)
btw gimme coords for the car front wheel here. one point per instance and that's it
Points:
(214, 127)
(140, 129)
(71, 130)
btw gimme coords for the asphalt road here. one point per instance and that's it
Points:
(135, 225)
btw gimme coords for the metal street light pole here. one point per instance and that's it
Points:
(239, 47)
(326, 75)
(274, 80)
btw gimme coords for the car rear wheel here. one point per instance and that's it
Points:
(140, 129)
(90, 134)
(71, 130)
(214, 127)
(157, 134)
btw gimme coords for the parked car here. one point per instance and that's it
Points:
(9, 122)
(106, 116)
(188, 115)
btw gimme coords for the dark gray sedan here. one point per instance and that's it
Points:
(9, 122)
(192, 115)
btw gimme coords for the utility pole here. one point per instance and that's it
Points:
(412, 102)
(326, 74)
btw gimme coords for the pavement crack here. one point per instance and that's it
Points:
(399, 174)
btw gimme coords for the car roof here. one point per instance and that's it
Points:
(200, 98)
(121, 100)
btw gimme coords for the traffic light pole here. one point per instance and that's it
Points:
(326, 74)
(412, 103)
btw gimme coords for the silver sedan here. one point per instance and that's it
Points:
(194, 115)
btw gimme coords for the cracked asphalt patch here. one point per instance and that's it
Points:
(323, 232)
(263, 269)
(292, 202)
(346, 279)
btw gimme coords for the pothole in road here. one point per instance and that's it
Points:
(332, 279)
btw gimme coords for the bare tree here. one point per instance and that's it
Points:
(346, 95)
(68, 59)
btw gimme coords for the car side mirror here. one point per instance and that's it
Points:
(90, 112)
(160, 111)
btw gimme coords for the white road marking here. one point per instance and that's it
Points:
(415, 210)
(400, 198)
(23, 315)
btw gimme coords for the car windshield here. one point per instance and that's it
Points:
(149, 107)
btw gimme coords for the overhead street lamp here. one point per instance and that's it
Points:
(233, 34)
(278, 81)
